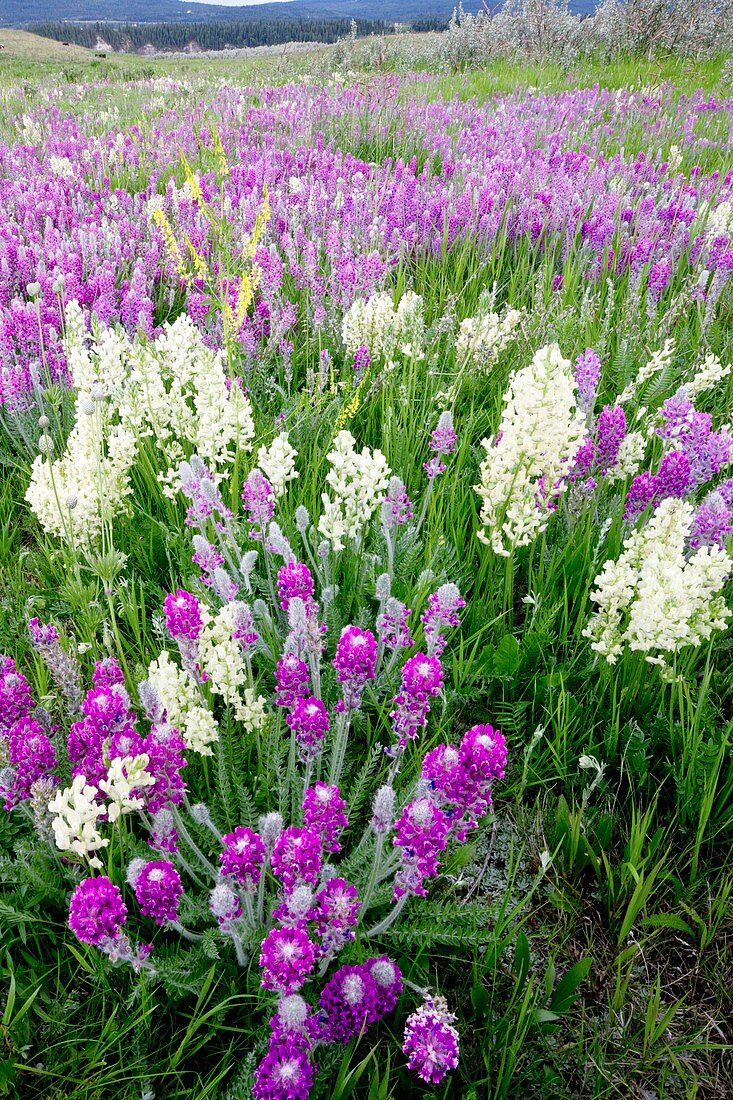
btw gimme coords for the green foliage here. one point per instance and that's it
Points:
(635, 875)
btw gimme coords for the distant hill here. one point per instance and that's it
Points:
(24, 13)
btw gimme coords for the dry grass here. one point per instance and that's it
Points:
(21, 45)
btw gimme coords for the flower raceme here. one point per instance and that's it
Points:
(528, 461)
(314, 912)
(661, 594)
(174, 390)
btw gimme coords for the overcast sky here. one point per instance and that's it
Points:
(236, 3)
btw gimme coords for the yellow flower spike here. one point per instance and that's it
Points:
(248, 284)
(160, 218)
(261, 219)
(200, 266)
(350, 408)
(220, 155)
(194, 183)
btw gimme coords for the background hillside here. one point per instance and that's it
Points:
(27, 12)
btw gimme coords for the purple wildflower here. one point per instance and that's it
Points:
(711, 524)
(164, 835)
(422, 834)
(287, 958)
(199, 487)
(388, 980)
(362, 362)
(183, 615)
(243, 856)
(292, 680)
(440, 614)
(422, 679)
(442, 770)
(610, 433)
(31, 756)
(431, 1042)
(207, 557)
(294, 579)
(355, 659)
(309, 721)
(397, 506)
(42, 634)
(107, 722)
(259, 502)
(392, 628)
(587, 376)
(584, 460)
(96, 911)
(16, 700)
(337, 914)
(285, 1073)
(107, 673)
(443, 442)
(674, 476)
(165, 748)
(297, 907)
(64, 667)
(296, 857)
(158, 890)
(349, 1001)
(642, 492)
(324, 813)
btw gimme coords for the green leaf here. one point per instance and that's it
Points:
(544, 1016)
(7, 1073)
(522, 959)
(565, 993)
(669, 920)
(507, 658)
(480, 998)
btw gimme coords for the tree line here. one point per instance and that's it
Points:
(133, 37)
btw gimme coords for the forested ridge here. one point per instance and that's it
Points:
(132, 37)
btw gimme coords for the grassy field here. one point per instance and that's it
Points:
(583, 933)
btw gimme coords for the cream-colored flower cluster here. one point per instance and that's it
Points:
(277, 463)
(630, 457)
(126, 777)
(374, 323)
(175, 390)
(706, 376)
(75, 824)
(527, 461)
(657, 598)
(180, 698)
(719, 220)
(359, 480)
(77, 810)
(482, 338)
(180, 394)
(221, 657)
(88, 485)
(659, 362)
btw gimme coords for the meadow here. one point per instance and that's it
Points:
(365, 532)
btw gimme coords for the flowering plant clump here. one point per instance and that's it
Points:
(661, 594)
(251, 340)
(376, 326)
(481, 339)
(174, 390)
(528, 461)
(298, 881)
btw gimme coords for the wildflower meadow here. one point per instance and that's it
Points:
(366, 502)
